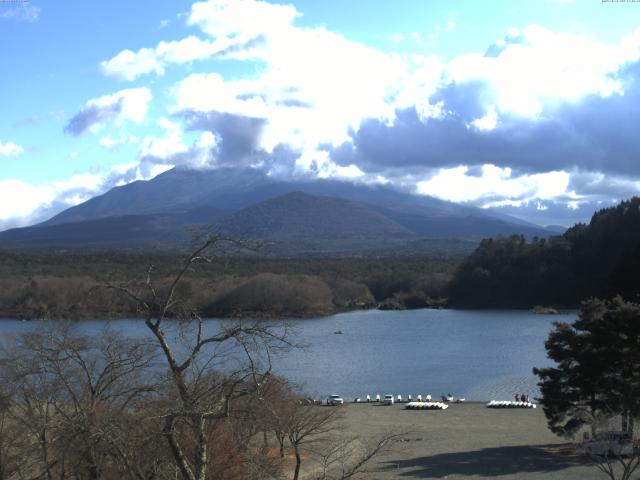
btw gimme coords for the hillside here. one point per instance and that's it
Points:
(299, 214)
(600, 259)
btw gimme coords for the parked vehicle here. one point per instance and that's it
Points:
(388, 399)
(613, 444)
(335, 400)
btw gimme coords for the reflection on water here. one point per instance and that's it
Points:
(479, 355)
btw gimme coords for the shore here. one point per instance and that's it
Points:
(467, 441)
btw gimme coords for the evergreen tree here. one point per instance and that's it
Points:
(597, 375)
(596, 260)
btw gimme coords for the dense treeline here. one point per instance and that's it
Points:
(62, 284)
(600, 259)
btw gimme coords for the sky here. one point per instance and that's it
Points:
(528, 107)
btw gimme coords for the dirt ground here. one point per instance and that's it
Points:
(468, 441)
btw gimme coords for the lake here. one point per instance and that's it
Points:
(479, 355)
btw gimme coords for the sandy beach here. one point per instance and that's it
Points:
(468, 441)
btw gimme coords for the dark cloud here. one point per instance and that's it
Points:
(466, 101)
(599, 186)
(239, 135)
(92, 115)
(594, 134)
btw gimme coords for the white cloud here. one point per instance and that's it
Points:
(21, 12)
(241, 18)
(163, 148)
(489, 121)
(38, 202)
(10, 149)
(536, 66)
(31, 197)
(456, 185)
(203, 93)
(129, 104)
(316, 85)
(158, 154)
(320, 163)
(129, 65)
(111, 143)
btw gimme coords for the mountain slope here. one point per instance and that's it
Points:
(230, 190)
(299, 214)
(303, 216)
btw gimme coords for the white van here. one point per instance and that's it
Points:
(388, 399)
(613, 444)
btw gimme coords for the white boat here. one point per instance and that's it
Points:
(426, 406)
(509, 404)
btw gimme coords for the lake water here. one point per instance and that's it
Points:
(479, 355)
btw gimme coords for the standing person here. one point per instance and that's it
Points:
(517, 397)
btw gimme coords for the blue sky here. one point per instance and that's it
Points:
(498, 104)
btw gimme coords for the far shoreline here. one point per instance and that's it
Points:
(267, 316)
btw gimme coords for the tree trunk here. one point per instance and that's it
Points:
(626, 421)
(201, 448)
(181, 461)
(45, 452)
(93, 469)
(298, 462)
(280, 439)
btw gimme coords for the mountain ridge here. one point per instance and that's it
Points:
(322, 215)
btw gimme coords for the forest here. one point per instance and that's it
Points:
(68, 284)
(599, 259)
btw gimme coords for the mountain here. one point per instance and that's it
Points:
(293, 217)
(299, 215)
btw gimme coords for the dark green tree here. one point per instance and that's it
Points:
(597, 372)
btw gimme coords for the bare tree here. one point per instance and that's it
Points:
(344, 458)
(12, 439)
(617, 467)
(308, 425)
(71, 394)
(208, 370)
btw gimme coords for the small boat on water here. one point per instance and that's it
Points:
(338, 332)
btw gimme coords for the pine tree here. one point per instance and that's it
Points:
(597, 372)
